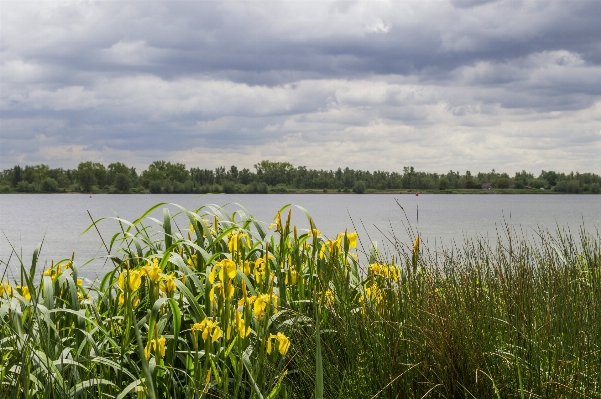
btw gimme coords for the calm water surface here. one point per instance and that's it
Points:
(59, 219)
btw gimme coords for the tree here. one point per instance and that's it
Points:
(203, 176)
(550, 176)
(33, 174)
(115, 169)
(503, 182)
(443, 183)
(274, 173)
(161, 170)
(233, 173)
(219, 174)
(90, 174)
(245, 176)
(539, 183)
(522, 178)
(16, 176)
(86, 179)
(123, 182)
(155, 187)
(408, 174)
(25, 187)
(471, 183)
(228, 187)
(49, 185)
(359, 187)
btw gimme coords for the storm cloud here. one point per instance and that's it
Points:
(459, 84)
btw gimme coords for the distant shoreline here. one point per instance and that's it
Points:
(433, 192)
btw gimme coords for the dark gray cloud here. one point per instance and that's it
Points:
(243, 81)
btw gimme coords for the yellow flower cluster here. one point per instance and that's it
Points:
(388, 271)
(330, 298)
(5, 288)
(314, 232)
(331, 247)
(343, 240)
(209, 328)
(24, 291)
(260, 303)
(235, 238)
(277, 223)
(193, 260)
(373, 293)
(57, 270)
(293, 275)
(260, 268)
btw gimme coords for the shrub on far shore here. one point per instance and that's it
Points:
(359, 187)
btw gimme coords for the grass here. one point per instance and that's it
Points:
(218, 307)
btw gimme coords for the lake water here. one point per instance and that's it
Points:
(59, 219)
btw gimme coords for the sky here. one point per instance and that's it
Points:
(373, 85)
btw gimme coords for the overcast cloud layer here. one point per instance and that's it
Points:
(439, 85)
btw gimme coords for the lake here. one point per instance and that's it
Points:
(59, 219)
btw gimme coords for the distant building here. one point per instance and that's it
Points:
(487, 186)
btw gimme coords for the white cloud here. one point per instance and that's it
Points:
(377, 27)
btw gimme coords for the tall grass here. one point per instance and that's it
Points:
(218, 307)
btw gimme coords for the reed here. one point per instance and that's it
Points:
(220, 307)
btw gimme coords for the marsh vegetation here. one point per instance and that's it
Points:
(209, 304)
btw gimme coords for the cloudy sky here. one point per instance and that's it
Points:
(439, 85)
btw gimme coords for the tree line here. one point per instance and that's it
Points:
(268, 176)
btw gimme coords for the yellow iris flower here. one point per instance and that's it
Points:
(331, 246)
(282, 341)
(221, 268)
(388, 271)
(192, 261)
(372, 293)
(246, 267)
(293, 276)
(277, 223)
(135, 301)
(168, 285)
(5, 287)
(134, 280)
(261, 302)
(233, 240)
(259, 270)
(228, 293)
(243, 331)
(209, 328)
(24, 291)
(314, 232)
(352, 239)
(154, 345)
(330, 299)
(152, 272)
